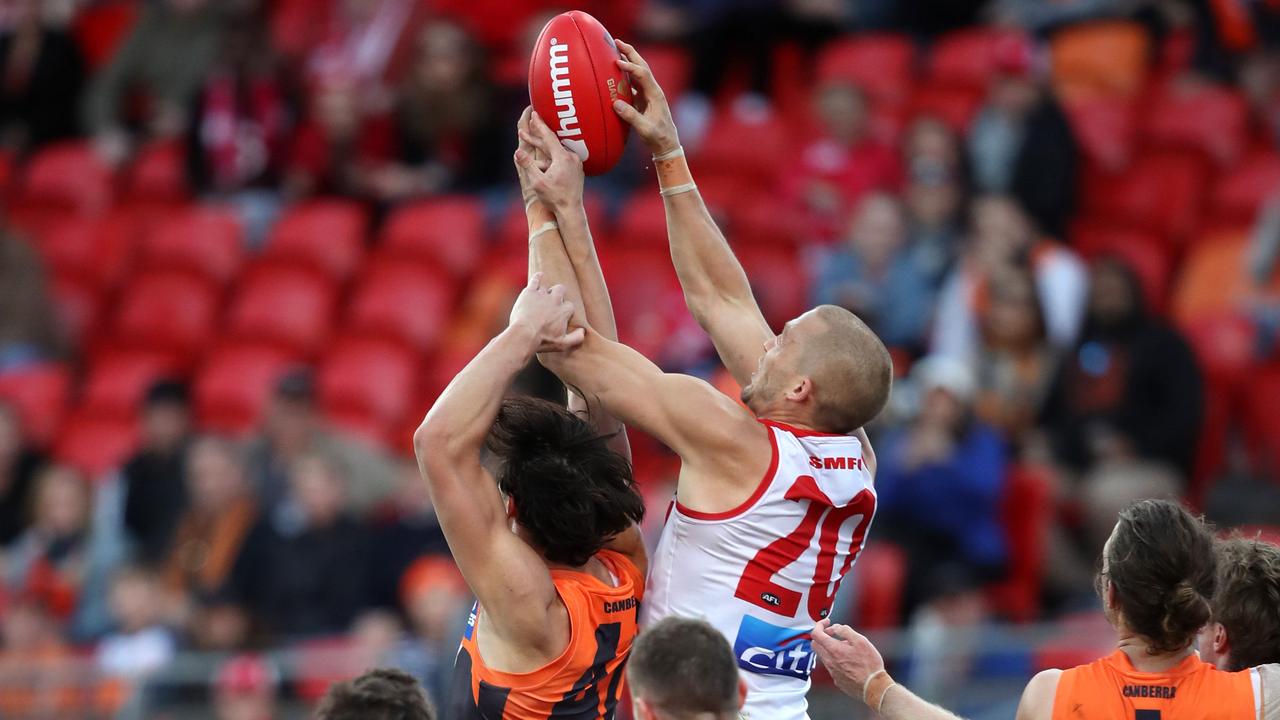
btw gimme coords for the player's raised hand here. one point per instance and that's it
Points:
(849, 657)
(537, 157)
(545, 312)
(650, 114)
(559, 183)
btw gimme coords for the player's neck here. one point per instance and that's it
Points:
(781, 415)
(1138, 652)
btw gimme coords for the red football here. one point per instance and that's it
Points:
(573, 81)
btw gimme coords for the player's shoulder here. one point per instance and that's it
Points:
(1039, 695)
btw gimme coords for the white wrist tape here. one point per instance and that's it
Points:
(676, 190)
(545, 227)
(677, 152)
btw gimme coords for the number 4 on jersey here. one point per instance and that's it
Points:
(757, 586)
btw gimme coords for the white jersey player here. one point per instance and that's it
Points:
(774, 499)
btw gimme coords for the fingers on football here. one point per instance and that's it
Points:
(628, 113)
(547, 141)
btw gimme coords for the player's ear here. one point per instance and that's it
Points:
(800, 390)
(742, 693)
(1220, 639)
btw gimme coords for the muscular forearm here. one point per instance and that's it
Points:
(709, 272)
(902, 704)
(581, 251)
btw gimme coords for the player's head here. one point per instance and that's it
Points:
(567, 491)
(1159, 569)
(682, 669)
(826, 367)
(379, 694)
(1245, 631)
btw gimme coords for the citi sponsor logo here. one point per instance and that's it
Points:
(570, 131)
(620, 605)
(836, 463)
(771, 650)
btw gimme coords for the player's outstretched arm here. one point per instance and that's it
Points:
(715, 285)
(720, 443)
(858, 670)
(506, 575)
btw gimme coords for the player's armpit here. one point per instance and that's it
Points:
(713, 435)
(1037, 699)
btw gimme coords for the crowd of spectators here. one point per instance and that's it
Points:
(1020, 356)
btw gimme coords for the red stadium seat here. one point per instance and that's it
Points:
(8, 166)
(158, 175)
(642, 223)
(40, 394)
(1143, 252)
(751, 152)
(1027, 513)
(671, 67)
(966, 58)
(1224, 344)
(1158, 192)
(881, 64)
(98, 250)
(449, 231)
(758, 220)
(167, 311)
(95, 446)
(202, 240)
(101, 27)
(778, 279)
(1265, 533)
(282, 305)
(1262, 417)
(406, 302)
(881, 577)
(233, 387)
(955, 106)
(1105, 128)
(1210, 120)
(647, 300)
(327, 235)
(1239, 194)
(67, 177)
(368, 384)
(117, 382)
(79, 306)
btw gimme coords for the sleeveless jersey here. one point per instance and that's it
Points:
(585, 682)
(1193, 690)
(766, 571)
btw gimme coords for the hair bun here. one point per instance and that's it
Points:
(1185, 608)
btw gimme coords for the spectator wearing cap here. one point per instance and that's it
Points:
(220, 515)
(874, 276)
(246, 687)
(939, 485)
(155, 494)
(434, 598)
(293, 429)
(1021, 143)
(834, 170)
(306, 572)
(19, 463)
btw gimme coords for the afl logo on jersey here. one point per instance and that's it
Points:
(771, 650)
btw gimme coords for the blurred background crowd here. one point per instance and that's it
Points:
(247, 242)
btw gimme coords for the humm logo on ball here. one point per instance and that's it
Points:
(568, 114)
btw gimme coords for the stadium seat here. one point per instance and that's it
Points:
(286, 306)
(757, 220)
(1238, 195)
(1209, 120)
(167, 311)
(8, 168)
(95, 446)
(202, 240)
(751, 152)
(1224, 344)
(1212, 278)
(67, 177)
(1102, 58)
(965, 58)
(881, 577)
(40, 394)
(647, 300)
(883, 65)
(1105, 128)
(410, 303)
(671, 67)
(1162, 192)
(1027, 512)
(955, 106)
(116, 382)
(1142, 251)
(778, 279)
(158, 174)
(101, 27)
(97, 250)
(449, 231)
(642, 222)
(78, 305)
(327, 235)
(1262, 418)
(232, 388)
(368, 384)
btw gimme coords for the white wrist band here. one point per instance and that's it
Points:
(670, 154)
(544, 228)
(676, 190)
(529, 203)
